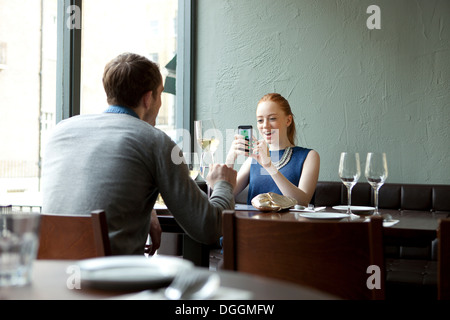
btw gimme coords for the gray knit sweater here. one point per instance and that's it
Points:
(119, 163)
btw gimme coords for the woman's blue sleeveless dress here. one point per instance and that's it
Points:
(260, 180)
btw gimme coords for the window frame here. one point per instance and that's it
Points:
(69, 66)
(185, 98)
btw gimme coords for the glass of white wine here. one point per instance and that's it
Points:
(194, 165)
(208, 140)
(349, 172)
(376, 173)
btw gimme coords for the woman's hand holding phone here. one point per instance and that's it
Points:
(246, 133)
(241, 144)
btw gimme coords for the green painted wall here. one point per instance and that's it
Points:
(351, 88)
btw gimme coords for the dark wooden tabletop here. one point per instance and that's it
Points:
(413, 227)
(412, 224)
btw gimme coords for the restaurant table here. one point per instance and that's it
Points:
(417, 227)
(192, 250)
(49, 282)
(414, 228)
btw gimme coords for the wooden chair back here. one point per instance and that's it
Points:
(332, 256)
(444, 260)
(74, 236)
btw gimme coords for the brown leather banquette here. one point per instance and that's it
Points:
(421, 197)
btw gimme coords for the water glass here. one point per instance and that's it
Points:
(19, 242)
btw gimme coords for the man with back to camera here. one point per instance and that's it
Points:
(119, 162)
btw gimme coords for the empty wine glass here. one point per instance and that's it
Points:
(349, 172)
(376, 173)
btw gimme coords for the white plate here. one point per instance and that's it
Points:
(356, 209)
(130, 273)
(323, 215)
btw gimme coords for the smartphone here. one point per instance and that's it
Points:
(246, 131)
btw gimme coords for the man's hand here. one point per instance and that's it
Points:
(218, 172)
(155, 234)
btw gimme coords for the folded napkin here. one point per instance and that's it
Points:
(390, 223)
(247, 207)
(385, 223)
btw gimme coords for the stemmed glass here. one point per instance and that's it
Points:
(208, 140)
(349, 172)
(376, 173)
(193, 164)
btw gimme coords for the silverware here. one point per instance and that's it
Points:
(193, 284)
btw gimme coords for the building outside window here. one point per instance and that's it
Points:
(27, 91)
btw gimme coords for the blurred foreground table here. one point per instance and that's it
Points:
(50, 279)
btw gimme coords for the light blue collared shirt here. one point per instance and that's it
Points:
(123, 110)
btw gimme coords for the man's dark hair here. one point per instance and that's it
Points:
(128, 77)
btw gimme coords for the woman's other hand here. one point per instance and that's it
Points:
(261, 153)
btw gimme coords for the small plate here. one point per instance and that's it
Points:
(130, 273)
(323, 215)
(355, 209)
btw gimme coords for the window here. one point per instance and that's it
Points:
(51, 64)
(27, 92)
(111, 27)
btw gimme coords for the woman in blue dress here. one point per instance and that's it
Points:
(275, 163)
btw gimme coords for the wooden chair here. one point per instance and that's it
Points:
(331, 256)
(444, 260)
(74, 236)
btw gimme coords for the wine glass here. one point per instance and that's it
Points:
(208, 140)
(349, 172)
(193, 164)
(376, 173)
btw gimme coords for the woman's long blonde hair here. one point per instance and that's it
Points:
(284, 105)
